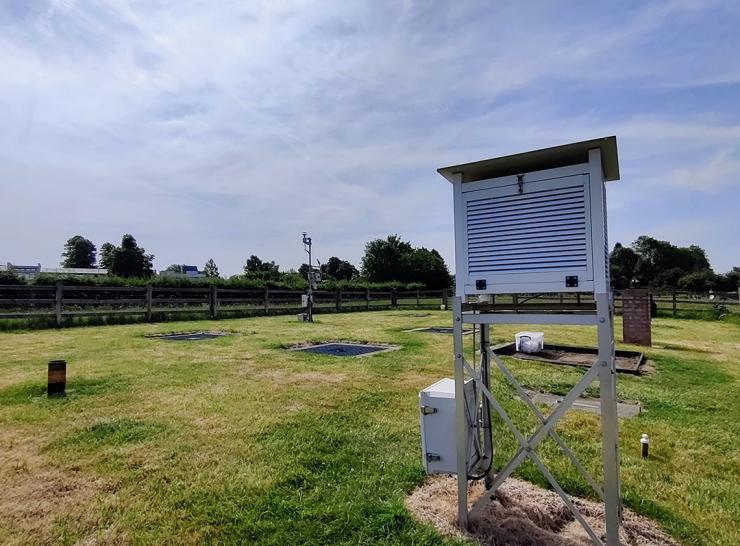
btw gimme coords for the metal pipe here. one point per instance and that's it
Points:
(485, 371)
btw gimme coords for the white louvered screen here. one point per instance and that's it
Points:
(540, 234)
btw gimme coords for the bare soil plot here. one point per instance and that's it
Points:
(524, 514)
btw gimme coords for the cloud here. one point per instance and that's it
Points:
(221, 130)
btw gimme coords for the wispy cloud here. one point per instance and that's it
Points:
(225, 129)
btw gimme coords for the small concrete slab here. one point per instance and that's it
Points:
(593, 405)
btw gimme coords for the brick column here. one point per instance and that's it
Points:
(636, 317)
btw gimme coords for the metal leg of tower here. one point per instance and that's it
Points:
(460, 416)
(609, 421)
(485, 343)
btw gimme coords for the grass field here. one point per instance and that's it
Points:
(235, 440)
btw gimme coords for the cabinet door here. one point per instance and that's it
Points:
(536, 234)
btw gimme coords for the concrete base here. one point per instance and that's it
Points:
(593, 405)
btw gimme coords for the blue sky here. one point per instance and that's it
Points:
(224, 129)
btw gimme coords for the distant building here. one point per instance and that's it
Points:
(186, 271)
(31, 271)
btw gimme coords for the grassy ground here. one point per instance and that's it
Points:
(235, 440)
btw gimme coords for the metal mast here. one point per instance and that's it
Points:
(310, 277)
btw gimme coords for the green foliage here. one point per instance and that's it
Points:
(176, 268)
(340, 270)
(660, 264)
(47, 279)
(729, 281)
(393, 259)
(210, 269)
(622, 262)
(79, 252)
(10, 277)
(258, 269)
(127, 260)
(699, 281)
(106, 255)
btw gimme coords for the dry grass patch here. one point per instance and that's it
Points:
(524, 514)
(37, 495)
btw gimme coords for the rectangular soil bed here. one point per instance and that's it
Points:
(627, 361)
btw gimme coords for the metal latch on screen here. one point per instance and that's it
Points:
(431, 457)
(428, 410)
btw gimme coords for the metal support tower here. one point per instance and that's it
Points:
(604, 369)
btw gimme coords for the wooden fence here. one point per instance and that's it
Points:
(59, 304)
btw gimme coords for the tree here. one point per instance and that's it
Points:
(106, 255)
(210, 269)
(699, 281)
(258, 269)
(393, 259)
(129, 259)
(729, 281)
(176, 268)
(340, 270)
(79, 252)
(664, 264)
(622, 263)
(427, 267)
(384, 259)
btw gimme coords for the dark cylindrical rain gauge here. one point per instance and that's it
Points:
(57, 378)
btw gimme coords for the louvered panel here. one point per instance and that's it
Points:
(543, 229)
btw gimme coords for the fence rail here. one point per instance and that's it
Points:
(58, 303)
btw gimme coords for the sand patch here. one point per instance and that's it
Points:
(524, 514)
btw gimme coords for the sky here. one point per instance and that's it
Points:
(221, 129)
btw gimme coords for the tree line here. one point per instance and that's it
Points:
(389, 261)
(651, 263)
(648, 262)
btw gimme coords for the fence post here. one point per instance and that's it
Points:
(418, 298)
(444, 297)
(148, 302)
(339, 299)
(213, 301)
(673, 296)
(367, 297)
(394, 298)
(267, 300)
(58, 302)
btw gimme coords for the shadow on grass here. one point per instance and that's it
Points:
(115, 432)
(35, 391)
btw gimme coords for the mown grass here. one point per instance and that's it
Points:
(235, 440)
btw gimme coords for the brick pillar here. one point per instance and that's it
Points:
(636, 317)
